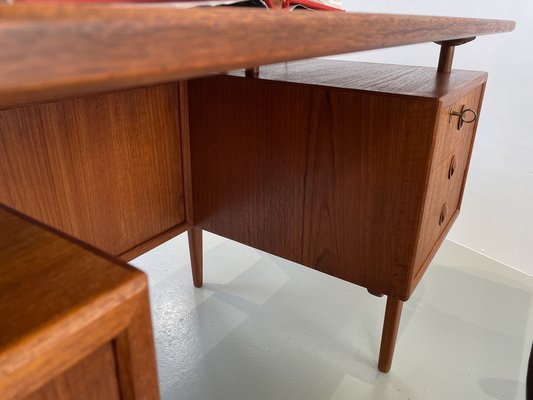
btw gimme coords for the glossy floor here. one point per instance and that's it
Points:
(265, 328)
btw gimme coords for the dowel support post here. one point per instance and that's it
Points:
(447, 49)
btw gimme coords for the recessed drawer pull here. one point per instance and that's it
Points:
(453, 167)
(443, 213)
(466, 116)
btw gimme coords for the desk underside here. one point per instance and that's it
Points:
(332, 176)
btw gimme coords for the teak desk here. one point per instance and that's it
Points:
(356, 170)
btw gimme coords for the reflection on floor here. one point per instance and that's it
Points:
(265, 328)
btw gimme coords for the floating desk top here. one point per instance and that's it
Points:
(56, 51)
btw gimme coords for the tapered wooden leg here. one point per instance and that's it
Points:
(393, 313)
(195, 250)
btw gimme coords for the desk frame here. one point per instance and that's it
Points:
(140, 47)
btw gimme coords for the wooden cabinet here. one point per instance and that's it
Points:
(339, 166)
(75, 324)
(353, 169)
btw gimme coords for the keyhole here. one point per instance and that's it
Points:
(453, 167)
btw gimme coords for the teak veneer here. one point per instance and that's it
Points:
(107, 169)
(356, 170)
(75, 324)
(345, 174)
(57, 51)
(355, 177)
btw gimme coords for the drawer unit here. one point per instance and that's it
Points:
(356, 170)
(452, 149)
(357, 178)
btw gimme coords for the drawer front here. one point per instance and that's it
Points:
(451, 134)
(106, 169)
(447, 178)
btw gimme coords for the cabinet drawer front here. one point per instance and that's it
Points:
(451, 134)
(446, 182)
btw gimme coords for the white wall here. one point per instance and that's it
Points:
(497, 212)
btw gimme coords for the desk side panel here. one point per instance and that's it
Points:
(106, 169)
(331, 178)
(248, 150)
(368, 156)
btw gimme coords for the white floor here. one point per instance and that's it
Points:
(265, 328)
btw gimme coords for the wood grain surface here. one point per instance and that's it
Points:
(248, 161)
(105, 169)
(332, 177)
(57, 51)
(135, 354)
(93, 378)
(60, 301)
(388, 79)
(443, 189)
(365, 178)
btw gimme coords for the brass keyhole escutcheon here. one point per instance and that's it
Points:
(443, 212)
(466, 116)
(453, 167)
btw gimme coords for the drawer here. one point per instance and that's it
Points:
(106, 169)
(443, 199)
(452, 136)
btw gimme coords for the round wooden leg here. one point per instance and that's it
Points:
(195, 250)
(390, 332)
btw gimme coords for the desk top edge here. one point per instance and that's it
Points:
(52, 52)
